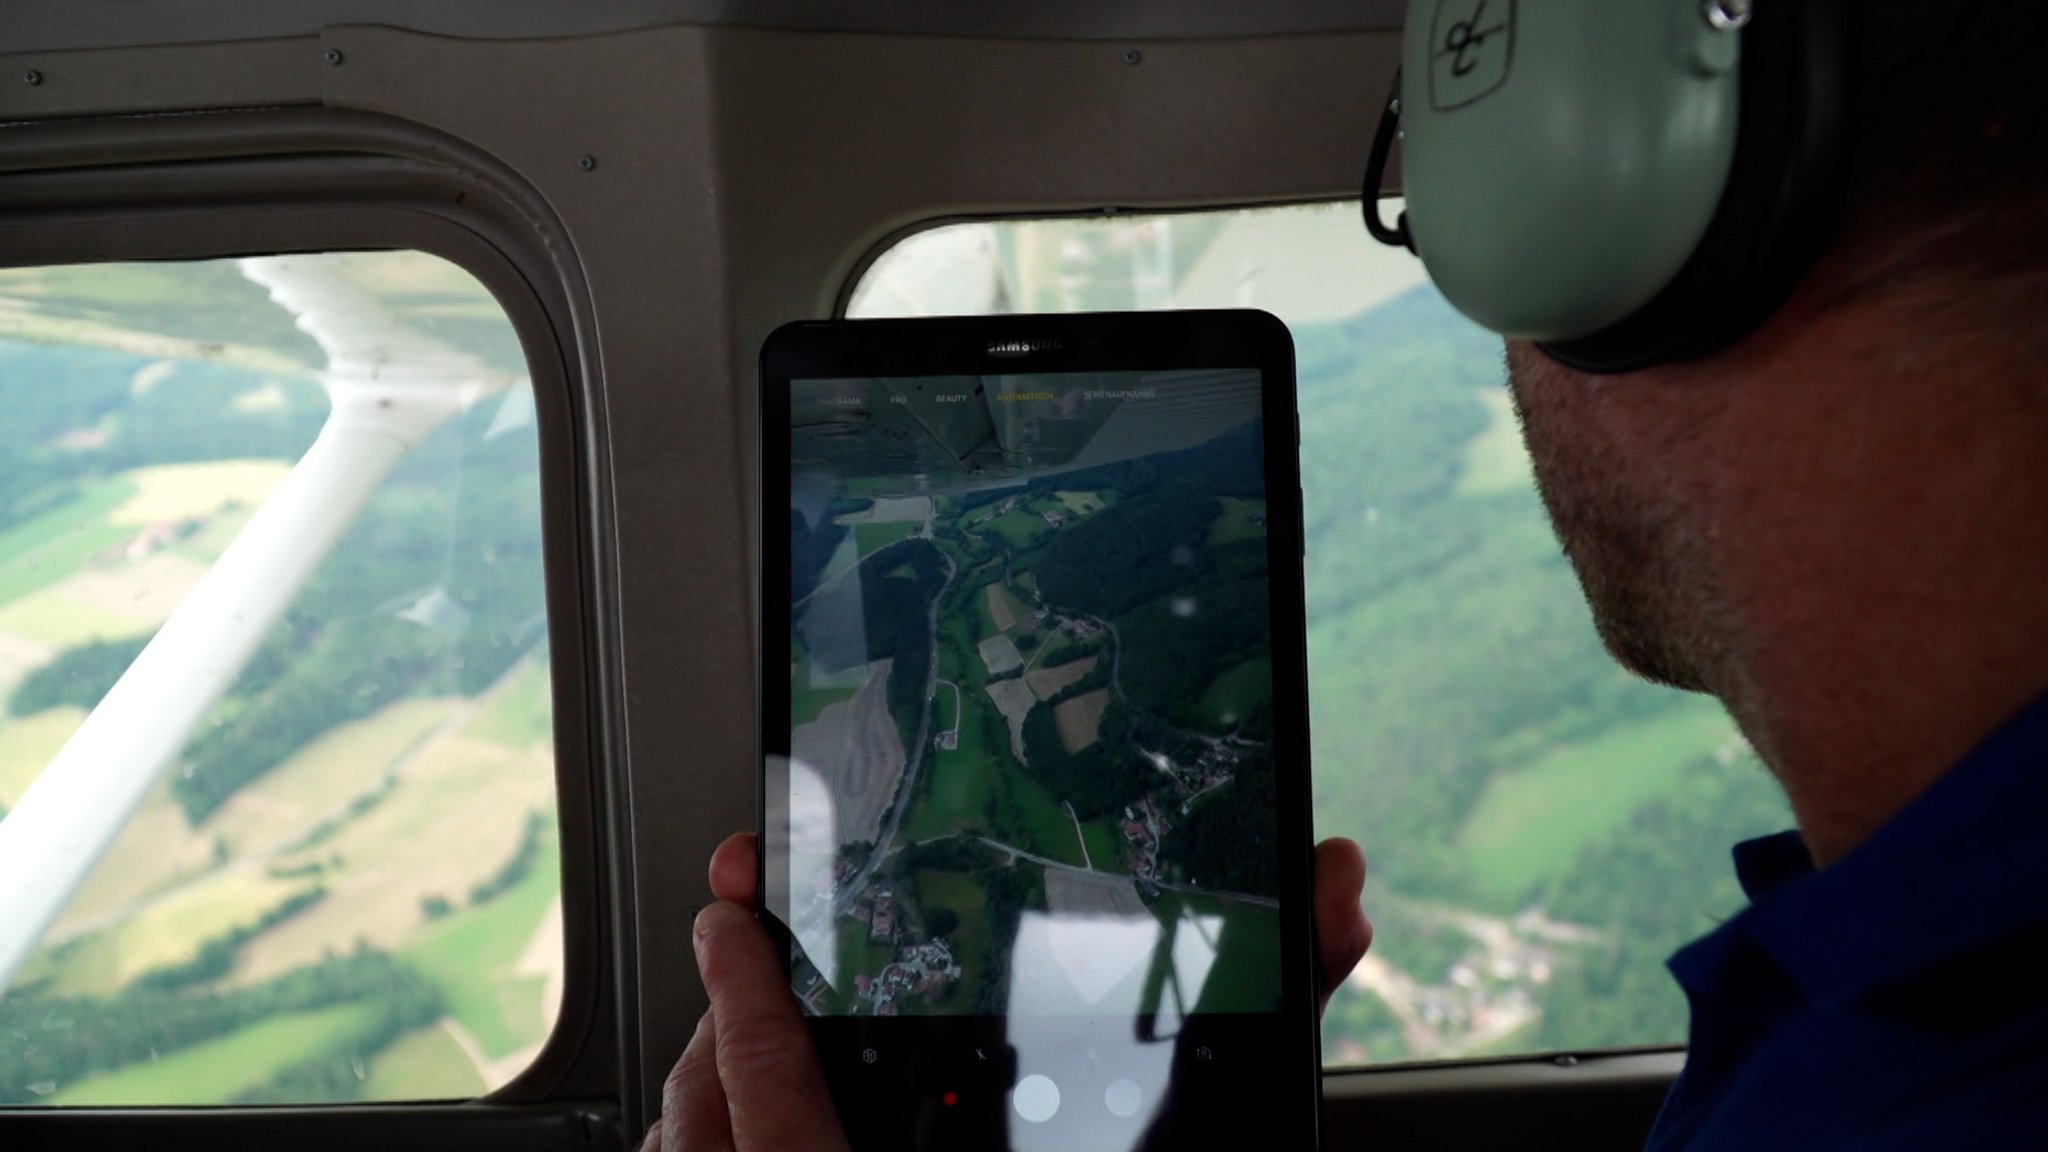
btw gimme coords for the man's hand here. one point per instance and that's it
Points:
(1342, 931)
(749, 1081)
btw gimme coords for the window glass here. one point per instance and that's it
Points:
(1543, 828)
(341, 881)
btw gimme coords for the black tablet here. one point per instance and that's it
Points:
(1035, 807)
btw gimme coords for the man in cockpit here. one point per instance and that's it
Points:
(1839, 527)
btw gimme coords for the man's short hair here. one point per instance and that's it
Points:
(1950, 134)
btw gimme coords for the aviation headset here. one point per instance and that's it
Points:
(1625, 182)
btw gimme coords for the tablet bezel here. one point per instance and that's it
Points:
(1087, 342)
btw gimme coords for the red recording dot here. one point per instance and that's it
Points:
(949, 1099)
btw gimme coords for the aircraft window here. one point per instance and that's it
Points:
(1543, 829)
(314, 481)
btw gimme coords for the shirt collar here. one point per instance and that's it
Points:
(1964, 864)
(1764, 865)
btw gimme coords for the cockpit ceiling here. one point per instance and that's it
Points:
(54, 25)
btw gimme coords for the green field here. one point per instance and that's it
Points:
(522, 715)
(1105, 847)
(62, 622)
(1017, 526)
(1082, 503)
(872, 538)
(1048, 830)
(222, 1068)
(470, 957)
(966, 899)
(984, 620)
(29, 743)
(423, 1065)
(57, 543)
(1236, 521)
(172, 929)
(1530, 824)
(1234, 693)
(954, 794)
(957, 661)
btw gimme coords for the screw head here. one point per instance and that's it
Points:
(1565, 1060)
(32, 78)
(1132, 55)
(334, 56)
(1729, 15)
(587, 163)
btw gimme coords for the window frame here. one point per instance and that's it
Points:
(1621, 1070)
(219, 185)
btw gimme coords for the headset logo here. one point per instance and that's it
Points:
(1472, 48)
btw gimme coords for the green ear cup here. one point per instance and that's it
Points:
(1563, 158)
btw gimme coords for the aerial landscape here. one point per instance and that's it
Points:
(347, 889)
(1034, 686)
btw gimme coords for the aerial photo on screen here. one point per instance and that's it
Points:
(1030, 695)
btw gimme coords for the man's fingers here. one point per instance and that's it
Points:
(775, 1092)
(693, 1116)
(1342, 931)
(733, 869)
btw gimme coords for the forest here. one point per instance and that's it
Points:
(78, 677)
(1674, 856)
(1449, 649)
(1229, 841)
(1097, 780)
(1175, 648)
(881, 613)
(59, 1040)
(1138, 549)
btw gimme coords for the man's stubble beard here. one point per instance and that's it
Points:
(1638, 551)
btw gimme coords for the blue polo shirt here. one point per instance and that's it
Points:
(1896, 1000)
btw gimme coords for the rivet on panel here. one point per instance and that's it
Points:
(334, 56)
(32, 78)
(587, 163)
(1132, 55)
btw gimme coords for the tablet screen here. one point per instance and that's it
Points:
(1031, 785)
